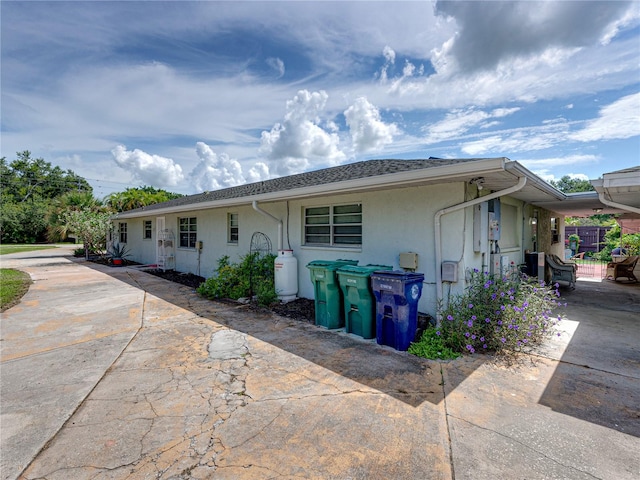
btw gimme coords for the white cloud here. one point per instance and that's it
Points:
(277, 64)
(260, 171)
(504, 112)
(215, 171)
(578, 176)
(389, 54)
(390, 58)
(543, 167)
(409, 69)
(518, 140)
(629, 18)
(458, 122)
(368, 131)
(550, 177)
(620, 119)
(150, 169)
(291, 146)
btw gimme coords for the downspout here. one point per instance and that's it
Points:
(522, 181)
(621, 206)
(254, 204)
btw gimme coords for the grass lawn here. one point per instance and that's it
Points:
(10, 248)
(13, 285)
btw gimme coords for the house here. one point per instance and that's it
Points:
(467, 213)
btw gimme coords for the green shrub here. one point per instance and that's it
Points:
(499, 315)
(252, 276)
(432, 346)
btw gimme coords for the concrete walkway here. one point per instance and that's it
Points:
(111, 373)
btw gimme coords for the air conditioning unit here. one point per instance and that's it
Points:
(450, 271)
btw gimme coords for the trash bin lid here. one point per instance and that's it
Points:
(319, 263)
(398, 275)
(330, 264)
(361, 270)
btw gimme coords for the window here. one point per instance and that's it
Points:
(555, 225)
(122, 231)
(147, 229)
(509, 226)
(232, 228)
(333, 225)
(188, 228)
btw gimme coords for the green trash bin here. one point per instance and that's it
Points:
(327, 293)
(359, 301)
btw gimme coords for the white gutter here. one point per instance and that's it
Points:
(621, 206)
(522, 181)
(255, 206)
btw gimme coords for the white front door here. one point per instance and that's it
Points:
(160, 227)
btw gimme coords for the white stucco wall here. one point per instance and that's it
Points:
(393, 221)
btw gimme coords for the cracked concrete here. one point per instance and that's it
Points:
(147, 380)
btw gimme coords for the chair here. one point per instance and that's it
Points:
(623, 269)
(561, 272)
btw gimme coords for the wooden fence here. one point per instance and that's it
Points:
(591, 238)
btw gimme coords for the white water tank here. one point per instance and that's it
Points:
(286, 275)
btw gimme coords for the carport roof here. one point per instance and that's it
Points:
(620, 190)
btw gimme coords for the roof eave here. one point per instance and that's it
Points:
(399, 179)
(534, 180)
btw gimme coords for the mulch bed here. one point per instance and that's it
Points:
(301, 309)
(188, 279)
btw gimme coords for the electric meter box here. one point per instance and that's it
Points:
(450, 271)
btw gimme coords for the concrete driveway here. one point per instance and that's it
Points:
(111, 373)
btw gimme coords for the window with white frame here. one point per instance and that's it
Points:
(188, 230)
(333, 225)
(232, 228)
(122, 232)
(509, 226)
(148, 230)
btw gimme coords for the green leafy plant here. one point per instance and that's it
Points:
(431, 345)
(252, 276)
(90, 227)
(574, 241)
(118, 250)
(613, 239)
(503, 315)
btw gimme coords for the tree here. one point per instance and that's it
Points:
(57, 229)
(28, 178)
(22, 222)
(568, 184)
(90, 227)
(138, 197)
(27, 188)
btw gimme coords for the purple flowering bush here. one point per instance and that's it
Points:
(499, 315)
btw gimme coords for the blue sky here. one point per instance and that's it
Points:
(193, 96)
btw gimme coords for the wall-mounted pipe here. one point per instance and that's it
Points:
(255, 206)
(522, 181)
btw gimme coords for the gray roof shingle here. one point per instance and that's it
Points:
(351, 171)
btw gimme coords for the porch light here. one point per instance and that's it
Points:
(478, 182)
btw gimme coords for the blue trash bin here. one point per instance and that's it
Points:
(397, 294)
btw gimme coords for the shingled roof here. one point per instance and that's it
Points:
(351, 171)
